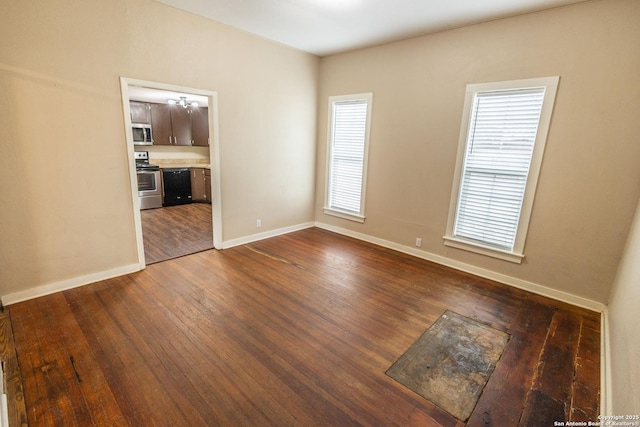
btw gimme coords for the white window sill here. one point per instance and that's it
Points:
(483, 250)
(344, 215)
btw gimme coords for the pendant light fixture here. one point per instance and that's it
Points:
(183, 102)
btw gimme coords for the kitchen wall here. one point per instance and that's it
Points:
(590, 177)
(624, 335)
(67, 213)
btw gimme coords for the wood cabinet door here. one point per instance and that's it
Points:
(161, 124)
(180, 125)
(197, 185)
(207, 185)
(139, 112)
(200, 126)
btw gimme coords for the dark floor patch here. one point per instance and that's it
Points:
(451, 362)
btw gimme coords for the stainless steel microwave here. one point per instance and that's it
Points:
(142, 134)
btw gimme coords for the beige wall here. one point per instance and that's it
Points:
(590, 179)
(64, 169)
(624, 334)
(66, 203)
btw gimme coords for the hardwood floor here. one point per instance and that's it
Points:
(175, 231)
(12, 385)
(295, 330)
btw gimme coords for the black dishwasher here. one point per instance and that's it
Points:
(176, 186)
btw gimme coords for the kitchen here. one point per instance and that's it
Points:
(170, 132)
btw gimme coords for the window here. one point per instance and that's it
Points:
(502, 137)
(347, 148)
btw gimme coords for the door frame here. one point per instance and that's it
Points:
(214, 157)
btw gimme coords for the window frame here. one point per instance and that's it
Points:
(336, 211)
(517, 253)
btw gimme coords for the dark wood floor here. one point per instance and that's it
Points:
(296, 330)
(175, 231)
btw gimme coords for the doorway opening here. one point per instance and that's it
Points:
(175, 227)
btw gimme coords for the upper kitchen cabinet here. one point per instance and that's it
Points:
(140, 112)
(171, 125)
(180, 125)
(161, 124)
(200, 126)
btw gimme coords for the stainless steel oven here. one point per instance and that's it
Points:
(149, 182)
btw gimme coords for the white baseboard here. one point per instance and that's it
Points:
(4, 420)
(468, 268)
(265, 235)
(63, 285)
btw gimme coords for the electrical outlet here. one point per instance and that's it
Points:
(258, 223)
(418, 241)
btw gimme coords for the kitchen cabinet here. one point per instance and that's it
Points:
(140, 112)
(207, 185)
(180, 125)
(171, 124)
(201, 185)
(200, 126)
(161, 124)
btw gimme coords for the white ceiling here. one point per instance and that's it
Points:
(325, 27)
(137, 93)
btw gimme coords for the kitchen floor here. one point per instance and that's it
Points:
(175, 231)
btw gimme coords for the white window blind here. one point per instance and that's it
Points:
(502, 138)
(500, 145)
(347, 155)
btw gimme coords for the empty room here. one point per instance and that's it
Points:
(414, 213)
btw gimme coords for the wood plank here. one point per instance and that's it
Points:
(138, 383)
(555, 372)
(294, 330)
(81, 395)
(585, 402)
(45, 371)
(503, 399)
(93, 390)
(553, 381)
(542, 410)
(12, 378)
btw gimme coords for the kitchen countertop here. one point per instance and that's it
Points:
(177, 163)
